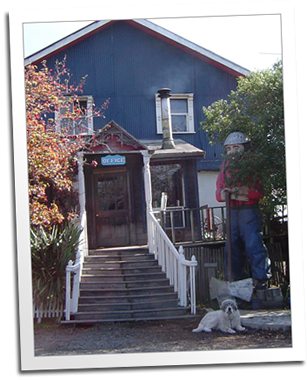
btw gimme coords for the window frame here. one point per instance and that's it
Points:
(180, 183)
(189, 97)
(90, 121)
(180, 204)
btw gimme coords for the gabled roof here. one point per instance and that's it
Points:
(182, 150)
(147, 27)
(113, 138)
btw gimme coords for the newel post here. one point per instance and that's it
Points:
(182, 274)
(192, 284)
(68, 291)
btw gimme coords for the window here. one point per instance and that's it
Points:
(79, 125)
(111, 193)
(181, 113)
(168, 178)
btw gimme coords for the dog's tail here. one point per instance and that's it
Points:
(199, 329)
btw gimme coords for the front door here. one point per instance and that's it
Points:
(111, 208)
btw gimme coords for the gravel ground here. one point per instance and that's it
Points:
(52, 339)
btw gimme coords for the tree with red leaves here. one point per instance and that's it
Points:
(52, 151)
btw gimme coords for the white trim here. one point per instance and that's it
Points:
(63, 42)
(189, 114)
(88, 121)
(207, 53)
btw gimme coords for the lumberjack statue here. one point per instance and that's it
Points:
(245, 218)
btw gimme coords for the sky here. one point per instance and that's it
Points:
(253, 42)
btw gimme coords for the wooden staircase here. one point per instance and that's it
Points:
(125, 285)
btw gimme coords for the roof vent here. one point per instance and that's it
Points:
(168, 142)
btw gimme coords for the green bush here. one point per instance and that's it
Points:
(51, 251)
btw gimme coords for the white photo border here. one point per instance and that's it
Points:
(28, 359)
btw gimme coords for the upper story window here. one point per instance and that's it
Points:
(77, 117)
(181, 113)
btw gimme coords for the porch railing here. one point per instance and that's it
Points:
(203, 224)
(75, 270)
(173, 262)
(72, 290)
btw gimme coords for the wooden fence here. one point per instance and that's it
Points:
(210, 258)
(50, 312)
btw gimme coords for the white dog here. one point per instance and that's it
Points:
(227, 319)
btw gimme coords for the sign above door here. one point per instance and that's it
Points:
(113, 160)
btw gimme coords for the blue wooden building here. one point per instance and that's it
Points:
(128, 62)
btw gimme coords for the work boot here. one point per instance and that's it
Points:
(261, 284)
(269, 298)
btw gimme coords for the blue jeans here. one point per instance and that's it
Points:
(247, 243)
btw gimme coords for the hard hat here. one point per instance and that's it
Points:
(236, 138)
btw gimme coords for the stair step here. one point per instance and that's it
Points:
(122, 314)
(124, 284)
(91, 277)
(99, 270)
(129, 320)
(129, 306)
(125, 257)
(121, 264)
(126, 292)
(119, 255)
(127, 299)
(122, 251)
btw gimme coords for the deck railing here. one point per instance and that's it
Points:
(203, 224)
(173, 262)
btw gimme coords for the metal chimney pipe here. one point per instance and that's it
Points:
(168, 142)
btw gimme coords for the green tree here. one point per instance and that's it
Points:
(256, 109)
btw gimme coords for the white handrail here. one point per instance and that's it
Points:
(72, 297)
(173, 263)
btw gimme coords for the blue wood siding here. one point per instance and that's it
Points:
(129, 66)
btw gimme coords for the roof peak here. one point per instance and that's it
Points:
(149, 27)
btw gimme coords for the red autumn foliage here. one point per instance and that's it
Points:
(51, 150)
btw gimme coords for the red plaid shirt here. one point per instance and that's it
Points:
(254, 194)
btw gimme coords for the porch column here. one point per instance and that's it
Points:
(148, 196)
(147, 179)
(81, 192)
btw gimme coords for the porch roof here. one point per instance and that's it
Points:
(182, 149)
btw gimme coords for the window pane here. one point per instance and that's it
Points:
(179, 123)
(111, 193)
(82, 106)
(73, 119)
(167, 179)
(179, 106)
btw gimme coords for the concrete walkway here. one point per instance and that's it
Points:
(266, 319)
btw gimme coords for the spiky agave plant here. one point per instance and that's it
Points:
(51, 251)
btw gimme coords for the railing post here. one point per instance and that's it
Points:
(192, 225)
(76, 282)
(67, 299)
(182, 278)
(172, 226)
(192, 284)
